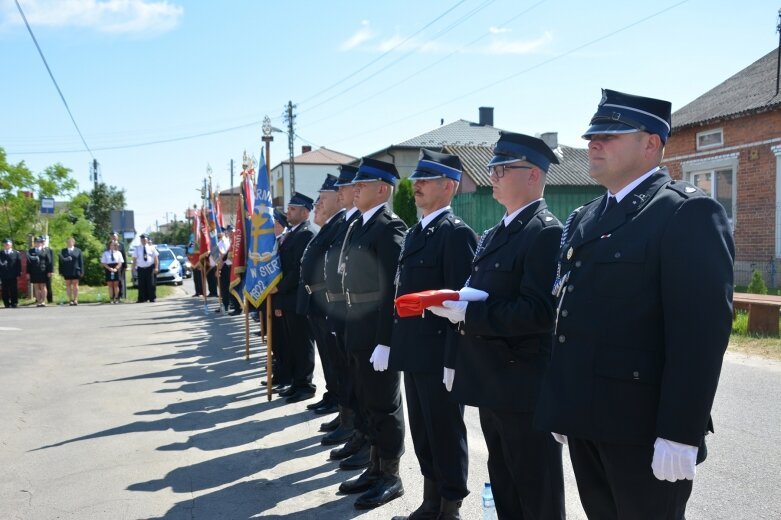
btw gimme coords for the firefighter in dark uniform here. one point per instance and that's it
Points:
(10, 271)
(312, 302)
(370, 255)
(298, 336)
(505, 340)
(437, 253)
(645, 289)
(355, 453)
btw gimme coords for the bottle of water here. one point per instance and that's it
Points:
(489, 509)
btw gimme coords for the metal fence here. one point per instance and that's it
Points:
(770, 271)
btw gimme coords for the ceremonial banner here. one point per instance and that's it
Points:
(239, 252)
(264, 269)
(211, 219)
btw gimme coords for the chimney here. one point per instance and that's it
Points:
(486, 116)
(551, 139)
(305, 148)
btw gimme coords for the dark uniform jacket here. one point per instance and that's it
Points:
(504, 344)
(39, 262)
(71, 262)
(438, 257)
(644, 317)
(333, 278)
(371, 256)
(10, 264)
(291, 249)
(312, 298)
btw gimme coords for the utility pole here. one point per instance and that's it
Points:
(289, 119)
(93, 173)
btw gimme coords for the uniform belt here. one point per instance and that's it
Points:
(334, 297)
(366, 297)
(315, 287)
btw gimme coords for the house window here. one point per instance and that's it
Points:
(719, 184)
(710, 139)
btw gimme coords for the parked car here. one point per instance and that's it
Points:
(181, 255)
(170, 270)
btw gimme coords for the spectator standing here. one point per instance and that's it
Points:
(39, 267)
(113, 261)
(72, 269)
(10, 270)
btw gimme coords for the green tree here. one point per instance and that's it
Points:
(178, 233)
(103, 200)
(404, 203)
(19, 209)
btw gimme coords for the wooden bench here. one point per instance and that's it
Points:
(763, 312)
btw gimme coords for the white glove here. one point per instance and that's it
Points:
(561, 439)
(455, 311)
(470, 294)
(674, 461)
(447, 378)
(380, 357)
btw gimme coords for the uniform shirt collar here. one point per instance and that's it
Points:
(425, 221)
(296, 227)
(508, 219)
(369, 214)
(334, 216)
(350, 213)
(626, 190)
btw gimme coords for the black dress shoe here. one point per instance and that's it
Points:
(318, 404)
(365, 480)
(326, 409)
(353, 446)
(385, 488)
(287, 392)
(359, 459)
(340, 435)
(274, 382)
(299, 396)
(382, 491)
(330, 425)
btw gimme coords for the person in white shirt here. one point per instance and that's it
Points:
(146, 264)
(112, 261)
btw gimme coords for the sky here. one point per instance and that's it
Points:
(162, 90)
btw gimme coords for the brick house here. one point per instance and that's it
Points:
(728, 143)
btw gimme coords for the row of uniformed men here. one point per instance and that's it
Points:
(590, 330)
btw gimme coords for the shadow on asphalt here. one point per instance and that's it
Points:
(213, 361)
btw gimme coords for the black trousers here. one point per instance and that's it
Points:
(283, 366)
(211, 281)
(615, 482)
(10, 292)
(524, 465)
(198, 282)
(436, 423)
(326, 350)
(379, 397)
(228, 300)
(345, 373)
(146, 283)
(301, 348)
(49, 293)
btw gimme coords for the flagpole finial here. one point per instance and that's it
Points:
(245, 161)
(266, 126)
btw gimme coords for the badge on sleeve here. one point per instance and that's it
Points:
(569, 253)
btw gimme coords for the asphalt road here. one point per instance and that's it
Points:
(151, 411)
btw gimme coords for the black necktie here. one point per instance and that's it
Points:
(611, 203)
(145, 258)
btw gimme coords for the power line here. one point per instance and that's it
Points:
(515, 75)
(426, 67)
(403, 56)
(381, 56)
(40, 52)
(148, 143)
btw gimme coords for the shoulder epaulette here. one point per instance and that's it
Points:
(686, 189)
